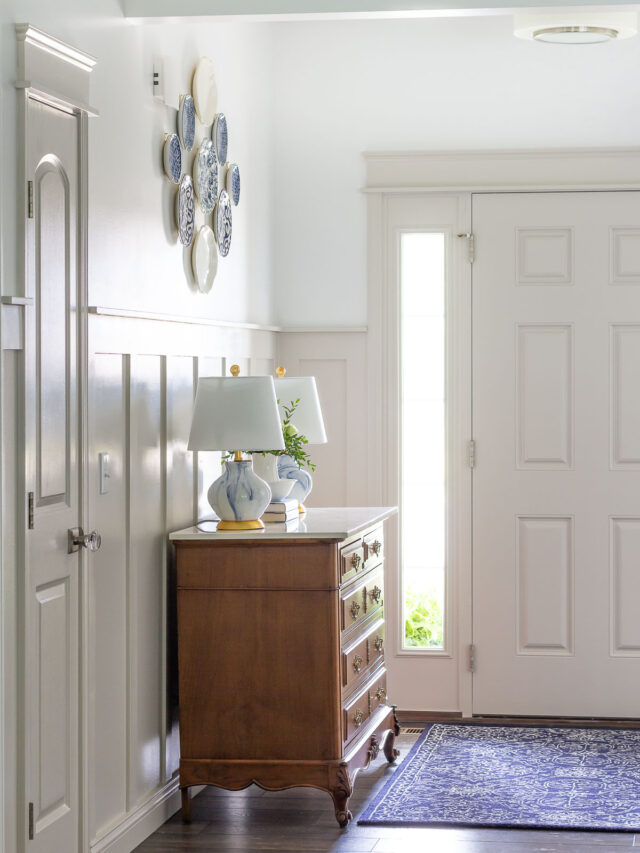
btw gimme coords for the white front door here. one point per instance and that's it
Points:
(52, 476)
(556, 487)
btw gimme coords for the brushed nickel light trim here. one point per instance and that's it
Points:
(601, 34)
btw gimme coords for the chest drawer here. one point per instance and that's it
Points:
(373, 547)
(352, 560)
(359, 708)
(362, 654)
(360, 599)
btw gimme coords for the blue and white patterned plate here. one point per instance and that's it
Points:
(186, 122)
(220, 136)
(223, 223)
(205, 176)
(172, 157)
(232, 182)
(185, 210)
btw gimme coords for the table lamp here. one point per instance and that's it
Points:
(307, 419)
(233, 412)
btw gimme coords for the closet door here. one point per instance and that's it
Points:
(52, 477)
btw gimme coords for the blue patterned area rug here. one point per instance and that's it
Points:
(478, 775)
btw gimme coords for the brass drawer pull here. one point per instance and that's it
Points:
(358, 717)
(356, 559)
(355, 609)
(381, 694)
(376, 547)
(376, 594)
(357, 663)
(378, 643)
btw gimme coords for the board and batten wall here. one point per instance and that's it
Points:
(142, 380)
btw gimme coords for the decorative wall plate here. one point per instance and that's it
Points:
(204, 258)
(232, 182)
(220, 136)
(223, 223)
(205, 176)
(204, 90)
(172, 157)
(186, 122)
(185, 210)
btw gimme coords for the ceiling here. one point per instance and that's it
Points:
(335, 9)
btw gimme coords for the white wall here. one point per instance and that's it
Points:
(135, 259)
(343, 88)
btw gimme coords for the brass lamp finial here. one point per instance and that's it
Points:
(235, 370)
(280, 372)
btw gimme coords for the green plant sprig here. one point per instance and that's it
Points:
(294, 442)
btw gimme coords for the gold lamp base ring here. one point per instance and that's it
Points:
(253, 524)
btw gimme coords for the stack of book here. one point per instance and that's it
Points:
(286, 510)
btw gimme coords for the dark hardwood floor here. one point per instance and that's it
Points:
(301, 820)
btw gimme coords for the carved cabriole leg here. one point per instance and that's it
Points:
(390, 753)
(341, 791)
(186, 805)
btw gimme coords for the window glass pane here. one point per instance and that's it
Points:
(422, 348)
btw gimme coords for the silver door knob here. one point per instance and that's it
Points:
(77, 539)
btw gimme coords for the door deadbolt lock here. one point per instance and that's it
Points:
(78, 539)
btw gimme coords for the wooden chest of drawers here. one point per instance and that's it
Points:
(281, 655)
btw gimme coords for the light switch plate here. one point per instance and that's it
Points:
(103, 465)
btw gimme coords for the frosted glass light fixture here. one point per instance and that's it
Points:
(576, 27)
(231, 413)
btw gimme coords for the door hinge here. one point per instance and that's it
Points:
(472, 657)
(471, 453)
(31, 827)
(30, 512)
(471, 245)
(30, 199)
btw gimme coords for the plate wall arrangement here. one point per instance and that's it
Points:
(204, 258)
(223, 223)
(186, 122)
(205, 176)
(204, 91)
(172, 157)
(185, 210)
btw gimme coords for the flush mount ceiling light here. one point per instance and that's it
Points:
(576, 27)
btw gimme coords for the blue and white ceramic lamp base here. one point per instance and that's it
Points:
(303, 482)
(239, 497)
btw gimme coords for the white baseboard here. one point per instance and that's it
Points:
(140, 823)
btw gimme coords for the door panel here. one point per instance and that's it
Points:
(557, 477)
(51, 618)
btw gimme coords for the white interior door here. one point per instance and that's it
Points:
(556, 530)
(52, 454)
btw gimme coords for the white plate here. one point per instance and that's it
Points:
(204, 258)
(204, 90)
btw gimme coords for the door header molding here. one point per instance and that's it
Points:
(503, 171)
(54, 70)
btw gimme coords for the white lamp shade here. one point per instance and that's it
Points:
(307, 417)
(236, 413)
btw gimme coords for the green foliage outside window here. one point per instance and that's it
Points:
(423, 623)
